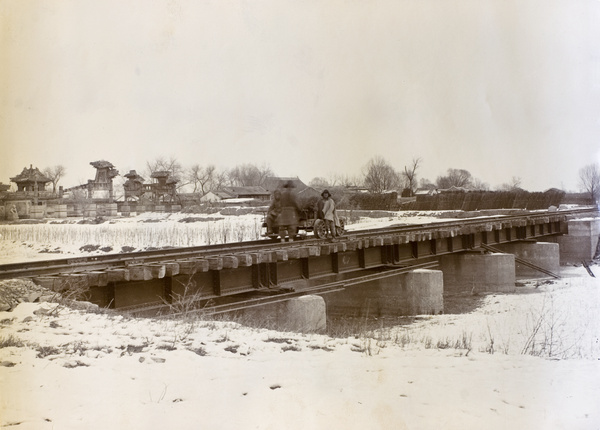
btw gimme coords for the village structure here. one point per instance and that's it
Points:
(36, 197)
(33, 198)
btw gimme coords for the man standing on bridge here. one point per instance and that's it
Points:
(329, 214)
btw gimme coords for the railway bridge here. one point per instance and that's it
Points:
(399, 270)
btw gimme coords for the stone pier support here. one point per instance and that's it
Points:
(415, 293)
(542, 254)
(477, 273)
(305, 314)
(581, 241)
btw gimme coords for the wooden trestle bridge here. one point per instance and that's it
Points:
(236, 275)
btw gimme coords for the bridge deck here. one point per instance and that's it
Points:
(213, 272)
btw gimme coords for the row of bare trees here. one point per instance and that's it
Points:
(202, 179)
(378, 176)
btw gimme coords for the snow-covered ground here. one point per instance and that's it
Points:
(528, 360)
(65, 238)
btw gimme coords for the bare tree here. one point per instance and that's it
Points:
(426, 184)
(343, 180)
(247, 175)
(171, 165)
(410, 175)
(54, 174)
(319, 182)
(219, 180)
(455, 178)
(380, 176)
(589, 180)
(201, 177)
(513, 184)
(478, 184)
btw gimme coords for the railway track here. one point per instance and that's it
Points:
(122, 260)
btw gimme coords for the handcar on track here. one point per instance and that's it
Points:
(307, 222)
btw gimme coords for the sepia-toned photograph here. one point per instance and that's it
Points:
(311, 215)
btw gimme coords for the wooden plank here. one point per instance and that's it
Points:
(158, 271)
(215, 263)
(244, 260)
(118, 275)
(190, 267)
(256, 257)
(352, 245)
(73, 280)
(230, 262)
(140, 273)
(49, 282)
(97, 279)
(281, 255)
(171, 269)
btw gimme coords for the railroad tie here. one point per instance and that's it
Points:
(140, 273)
(281, 255)
(190, 267)
(171, 269)
(97, 278)
(230, 262)
(118, 275)
(244, 260)
(158, 271)
(257, 257)
(215, 263)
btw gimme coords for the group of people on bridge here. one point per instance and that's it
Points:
(283, 215)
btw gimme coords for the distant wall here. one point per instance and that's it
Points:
(479, 200)
(371, 201)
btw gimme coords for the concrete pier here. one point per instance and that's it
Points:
(478, 272)
(581, 241)
(305, 314)
(415, 293)
(542, 254)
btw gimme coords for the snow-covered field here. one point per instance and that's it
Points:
(72, 369)
(528, 360)
(65, 238)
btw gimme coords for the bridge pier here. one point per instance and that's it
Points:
(581, 241)
(414, 293)
(478, 272)
(305, 314)
(545, 255)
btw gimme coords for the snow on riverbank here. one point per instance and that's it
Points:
(76, 237)
(72, 369)
(525, 360)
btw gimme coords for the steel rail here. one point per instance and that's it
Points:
(80, 264)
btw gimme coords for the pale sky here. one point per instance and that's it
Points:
(501, 88)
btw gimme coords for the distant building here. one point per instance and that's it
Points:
(164, 189)
(30, 180)
(247, 193)
(211, 197)
(101, 187)
(134, 186)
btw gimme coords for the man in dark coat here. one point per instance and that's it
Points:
(288, 219)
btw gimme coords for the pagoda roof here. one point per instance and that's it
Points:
(160, 174)
(31, 174)
(133, 175)
(102, 164)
